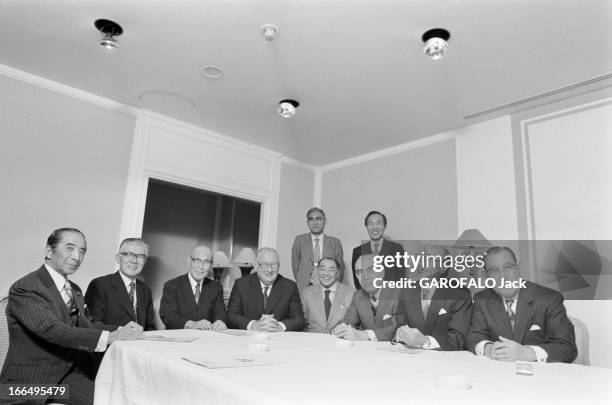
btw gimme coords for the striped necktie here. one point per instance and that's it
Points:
(198, 291)
(133, 298)
(316, 256)
(510, 312)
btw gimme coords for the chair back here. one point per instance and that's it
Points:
(582, 341)
(4, 335)
(158, 322)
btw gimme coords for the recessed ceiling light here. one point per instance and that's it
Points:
(435, 43)
(109, 30)
(287, 108)
(269, 31)
(212, 72)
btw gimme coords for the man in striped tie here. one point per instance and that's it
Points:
(511, 323)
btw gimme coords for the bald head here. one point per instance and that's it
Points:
(267, 265)
(200, 262)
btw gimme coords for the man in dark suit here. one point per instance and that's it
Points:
(50, 337)
(511, 322)
(193, 301)
(376, 224)
(310, 247)
(373, 313)
(120, 297)
(265, 301)
(434, 318)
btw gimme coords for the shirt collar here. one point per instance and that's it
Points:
(57, 278)
(126, 281)
(320, 236)
(332, 288)
(193, 281)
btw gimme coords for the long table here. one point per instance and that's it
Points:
(313, 368)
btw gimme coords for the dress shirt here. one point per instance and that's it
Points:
(59, 282)
(332, 291)
(194, 283)
(321, 236)
(127, 282)
(432, 343)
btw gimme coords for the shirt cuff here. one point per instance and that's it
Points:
(371, 335)
(541, 355)
(431, 344)
(249, 325)
(102, 342)
(283, 326)
(479, 349)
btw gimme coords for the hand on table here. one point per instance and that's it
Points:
(218, 325)
(509, 350)
(126, 332)
(203, 324)
(410, 336)
(347, 332)
(267, 323)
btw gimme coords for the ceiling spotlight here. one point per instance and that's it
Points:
(435, 43)
(109, 30)
(287, 107)
(269, 31)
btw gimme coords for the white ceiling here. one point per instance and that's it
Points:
(356, 66)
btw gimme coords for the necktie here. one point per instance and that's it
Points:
(425, 301)
(511, 314)
(197, 293)
(132, 300)
(69, 300)
(327, 304)
(376, 249)
(265, 294)
(316, 255)
(374, 302)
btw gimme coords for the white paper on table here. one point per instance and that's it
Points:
(184, 339)
(399, 348)
(234, 332)
(230, 361)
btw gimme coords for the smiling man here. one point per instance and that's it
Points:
(120, 297)
(310, 247)
(265, 301)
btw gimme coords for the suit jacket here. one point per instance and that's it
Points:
(314, 309)
(178, 302)
(302, 260)
(448, 316)
(108, 302)
(384, 324)
(537, 306)
(43, 342)
(246, 303)
(388, 248)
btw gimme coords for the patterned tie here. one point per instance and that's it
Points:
(425, 301)
(132, 301)
(376, 249)
(327, 304)
(69, 300)
(197, 293)
(316, 255)
(511, 313)
(374, 303)
(265, 294)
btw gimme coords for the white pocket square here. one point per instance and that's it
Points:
(442, 311)
(534, 327)
(386, 316)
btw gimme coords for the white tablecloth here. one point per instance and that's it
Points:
(314, 370)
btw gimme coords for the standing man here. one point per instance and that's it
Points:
(193, 301)
(376, 224)
(310, 247)
(511, 323)
(434, 318)
(265, 301)
(325, 304)
(120, 297)
(50, 337)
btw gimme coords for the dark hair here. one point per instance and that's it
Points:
(134, 240)
(333, 259)
(57, 235)
(315, 209)
(499, 249)
(365, 222)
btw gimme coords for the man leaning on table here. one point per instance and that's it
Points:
(511, 323)
(265, 301)
(373, 313)
(434, 318)
(194, 301)
(50, 336)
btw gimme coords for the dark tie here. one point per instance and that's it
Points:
(511, 313)
(197, 293)
(327, 304)
(425, 301)
(265, 294)
(131, 294)
(374, 302)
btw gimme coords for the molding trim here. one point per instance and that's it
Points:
(67, 90)
(293, 162)
(318, 188)
(419, 143)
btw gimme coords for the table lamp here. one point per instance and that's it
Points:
(220, 263)
(245, 261)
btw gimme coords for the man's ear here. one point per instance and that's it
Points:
(118, 258)
(48, 252)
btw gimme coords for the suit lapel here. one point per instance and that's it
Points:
(498, 312)
(275, 295)
(338, 300)
(385, 304)
(307, 241)
(122, 295)
(524, 314)
(141, 303)
(54, 293)
(257, 293)
(437, 300)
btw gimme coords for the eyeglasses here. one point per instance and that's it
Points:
(266, 266)
(506, 268)
(133, 256)
(200, 262)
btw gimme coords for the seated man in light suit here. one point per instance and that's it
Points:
(373, 313)
(325, 304)
(510, 323)
(265, 301)
(310, 247)
(193, 301)
(435, 318)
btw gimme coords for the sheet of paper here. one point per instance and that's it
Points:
(230, 361)
(160, 338)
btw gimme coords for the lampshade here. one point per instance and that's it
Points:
(221, 260)
(246, 257)
(472, 238)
